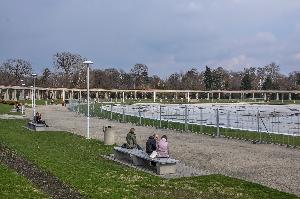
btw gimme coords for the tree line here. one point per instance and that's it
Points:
(68, 71)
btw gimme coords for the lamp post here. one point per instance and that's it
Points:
(33, 95)
(88, 96)
(23, 92)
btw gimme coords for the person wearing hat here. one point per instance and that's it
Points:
(131, 140)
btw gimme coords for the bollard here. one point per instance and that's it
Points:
(109, 135)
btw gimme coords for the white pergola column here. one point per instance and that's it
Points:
(63, 92)
(38, 94)
(6, 95)
(14, 94)
(97, 95)
(22, 94)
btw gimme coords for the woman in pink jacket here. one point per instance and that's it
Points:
(163, 147)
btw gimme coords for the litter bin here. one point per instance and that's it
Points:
(109, 135)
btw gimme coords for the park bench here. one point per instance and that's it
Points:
(36, 127)
(141, 158)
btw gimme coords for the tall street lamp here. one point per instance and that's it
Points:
(31, 97)
(33, 93)
(87, 63)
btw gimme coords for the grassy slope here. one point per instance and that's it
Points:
(14, 186)
(5, 108)
(76, 161)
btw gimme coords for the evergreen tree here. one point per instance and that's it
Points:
(268, 84)
(208, 79)
(246, 83)
(297, 78)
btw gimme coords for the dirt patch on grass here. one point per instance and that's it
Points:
(45, 181)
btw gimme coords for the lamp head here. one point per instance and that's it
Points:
(87, 62)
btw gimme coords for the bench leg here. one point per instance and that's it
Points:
(162, 169)
(139, 161)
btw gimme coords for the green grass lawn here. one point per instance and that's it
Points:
(6, 108)
(14, 186)
(76, 161)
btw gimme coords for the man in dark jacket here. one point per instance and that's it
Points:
(151, 144)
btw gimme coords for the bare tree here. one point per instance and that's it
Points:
(17, 69)
(191, 80)
(218, 77)
(71, 65)
(174, 81)
(140, 76)
(156, 83)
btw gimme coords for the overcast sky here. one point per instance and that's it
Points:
(167, 35)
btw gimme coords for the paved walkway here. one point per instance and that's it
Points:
(274, 166)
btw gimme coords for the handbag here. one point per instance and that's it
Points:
(153, 154)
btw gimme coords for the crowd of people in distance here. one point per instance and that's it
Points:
(155, 146)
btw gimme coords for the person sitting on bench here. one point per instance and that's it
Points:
(163, 147)
(131, 141)
(18, 107)
(38, 119)
(151, 144)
